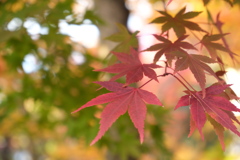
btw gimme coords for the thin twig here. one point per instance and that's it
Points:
(162, 75)
(183, 79)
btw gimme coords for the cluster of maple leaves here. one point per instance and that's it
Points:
(211, 103)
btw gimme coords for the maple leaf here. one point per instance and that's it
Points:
(207, 41)
(121, 100)
(167, 46)
(229, 93)
(132, 67)
(124, 38)
(205, 2)
(179, 22)
(219, 129)
(216, 107)
(219, 25)
(229, 2)
(196, 64)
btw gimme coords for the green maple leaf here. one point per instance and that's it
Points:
(179, 23)
(125, 39)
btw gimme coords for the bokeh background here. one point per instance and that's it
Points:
(48, 50)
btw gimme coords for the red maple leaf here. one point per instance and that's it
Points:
(132, 67)
(121, 100)
(218, 108)
(197, 65)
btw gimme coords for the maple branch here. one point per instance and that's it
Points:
(186, 81)
(180, 81)
(162, 75)
(166, 74)
(205, 23)
(183, 79)
(195, 36)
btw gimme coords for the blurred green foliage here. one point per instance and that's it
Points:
(36, 104)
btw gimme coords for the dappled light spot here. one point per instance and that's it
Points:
(232, 77)
(30, 63)
(32, 26)
(77, 58)
(86, 34)
(14, 24)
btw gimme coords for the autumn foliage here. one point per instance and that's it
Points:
(212, 103)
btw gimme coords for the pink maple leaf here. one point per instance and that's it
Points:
(217, 108)
(132, 67)
(121, 100)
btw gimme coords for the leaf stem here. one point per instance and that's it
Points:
(181, 82)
